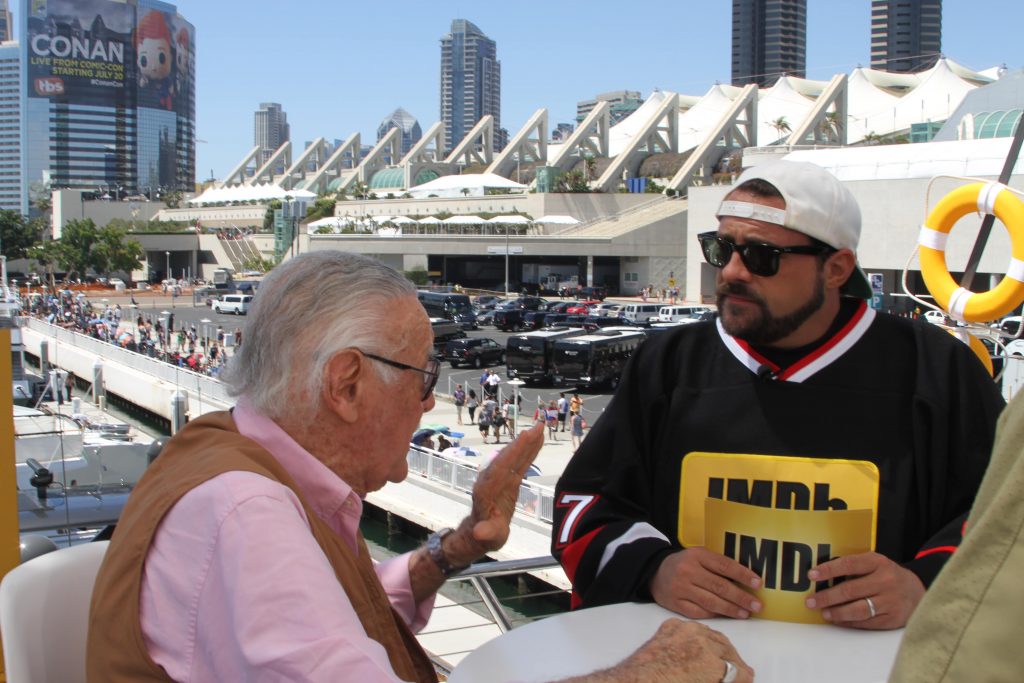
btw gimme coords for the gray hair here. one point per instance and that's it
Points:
(305, 311)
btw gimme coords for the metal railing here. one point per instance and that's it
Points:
(535, 501)
(209, 387)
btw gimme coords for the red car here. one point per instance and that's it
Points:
(581, 307)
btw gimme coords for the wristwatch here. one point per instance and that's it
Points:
(436, 552)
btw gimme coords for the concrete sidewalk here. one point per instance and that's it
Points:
(553, 457)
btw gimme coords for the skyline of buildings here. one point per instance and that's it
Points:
(270, 130)
(405, 122)
(906, 35)
(107, 97)
(165, 161)
(769, 40)
(470, 83)
(11, 188)
(623, 103)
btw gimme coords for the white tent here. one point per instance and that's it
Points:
(466, 184)
(244, 193)
(429, 220)
(463, 220)
(511, 219)
(556, 219)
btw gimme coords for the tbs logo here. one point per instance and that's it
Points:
(49, 86)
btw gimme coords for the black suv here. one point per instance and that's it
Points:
(591, 293)
(509, 319)
(476, 351)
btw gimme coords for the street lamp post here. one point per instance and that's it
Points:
(205, 322)
(515, 383)
(506, 261)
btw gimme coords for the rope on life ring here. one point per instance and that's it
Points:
(963, 304)
(976, 345)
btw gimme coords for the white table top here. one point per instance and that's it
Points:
(587, 640)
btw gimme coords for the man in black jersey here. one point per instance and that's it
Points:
(796, 373)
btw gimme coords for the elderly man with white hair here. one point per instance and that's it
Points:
(239, 556)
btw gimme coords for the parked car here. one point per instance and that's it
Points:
(445, 331)
(559, 306)
(670, 314)
(475, 351)
(605, 309)
(1008, 326)
(598, 293)
(533, 303)
(581, 307)
(510, 319)
(554, 319)
(485, 317)
(534, 320)
(232, 303)
(486, 300)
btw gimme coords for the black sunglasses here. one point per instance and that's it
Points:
(430, 375)
(759, 258)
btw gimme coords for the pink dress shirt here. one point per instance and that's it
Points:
(235, 587)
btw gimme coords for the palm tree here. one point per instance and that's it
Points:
(831, 126)
(872, 138)
(781, 126)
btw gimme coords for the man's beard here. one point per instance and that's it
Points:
(767, 329)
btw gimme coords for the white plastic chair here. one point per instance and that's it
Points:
(44, 614)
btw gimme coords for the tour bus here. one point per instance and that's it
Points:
(528, 356)
(455, 307)
(596, 358)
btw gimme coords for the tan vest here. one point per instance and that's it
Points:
(207, 447)
(967, 627)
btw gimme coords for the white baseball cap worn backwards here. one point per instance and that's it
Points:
(817, 205)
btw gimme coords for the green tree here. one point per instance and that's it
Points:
(46, 256)
(115, 251)
(75, 245)
(84, 246)
(781, 126)
(323, 206)
(418, 276)
(17, 235)
(831, 126)
(172, 200)
(268, 217)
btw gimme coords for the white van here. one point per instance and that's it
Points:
(639, 313)
(673, 314)
(233, 303)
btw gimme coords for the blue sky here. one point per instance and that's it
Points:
(339, 67)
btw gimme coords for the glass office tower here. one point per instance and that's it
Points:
(108, 93)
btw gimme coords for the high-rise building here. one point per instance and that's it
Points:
(623, 103)
(108, 97)
(769, 40)
(906, 35)
(470, 82)
(271, 129)
(6, 27)
(11, 190)
(405, 122)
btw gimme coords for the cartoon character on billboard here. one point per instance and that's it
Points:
(153, 55)
(181, 54)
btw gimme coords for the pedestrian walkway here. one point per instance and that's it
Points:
(554, 455)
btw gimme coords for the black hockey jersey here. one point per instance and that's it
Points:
(897, 396)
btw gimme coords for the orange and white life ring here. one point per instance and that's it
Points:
(963, 304)
(979, 348)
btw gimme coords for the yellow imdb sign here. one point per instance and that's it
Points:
(782, 545)
(779, 482)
